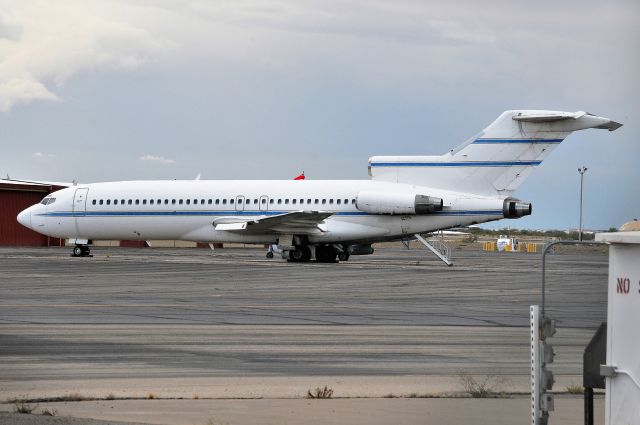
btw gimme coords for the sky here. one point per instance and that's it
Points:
(129, 90)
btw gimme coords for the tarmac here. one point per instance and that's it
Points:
(195, 323)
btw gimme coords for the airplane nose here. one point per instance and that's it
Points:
(24, 218)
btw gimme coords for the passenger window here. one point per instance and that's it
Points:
(217, 201)
(301, 201)
(115, 202)
(188, 201)
(346, 201)
(144, 202)
(224, 202)
(279, 201)
(231, 201)
(94, 202)
(286, 201)
(330, 201)
(108, 201)
(137, 201)
(255, 201)
(129, 202)
(180, 201)
(353, 201)
(271, 201)
(101, 201)
(315, 201)
(122, 202)
(308, 201)
(201, 201)
(195, 202)
(151, 202)
(210, 201)
(338, 201)
(324, 201)
(293, 201)
(239, 201)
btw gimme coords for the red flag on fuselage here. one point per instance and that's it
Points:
(300, 177)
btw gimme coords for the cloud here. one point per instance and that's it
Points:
(44, 155)
(43, 44)
(155, 158)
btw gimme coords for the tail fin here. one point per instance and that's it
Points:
(496, 161)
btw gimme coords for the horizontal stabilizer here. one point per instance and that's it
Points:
(551, 116)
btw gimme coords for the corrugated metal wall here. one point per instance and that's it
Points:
(11, 232)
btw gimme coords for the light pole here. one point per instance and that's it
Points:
(581, 170)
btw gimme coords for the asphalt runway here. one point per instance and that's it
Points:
(135, 314)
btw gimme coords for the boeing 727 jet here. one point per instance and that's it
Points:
(322, 220)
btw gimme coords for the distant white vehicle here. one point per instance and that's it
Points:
(322, 219)
(504, 242)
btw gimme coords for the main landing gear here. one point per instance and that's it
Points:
(81, 251)
(304, 253)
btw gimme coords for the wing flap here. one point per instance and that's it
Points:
(298, 222)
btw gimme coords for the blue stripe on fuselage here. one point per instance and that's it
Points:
(236, 213)
(499, 141)
(456, 164)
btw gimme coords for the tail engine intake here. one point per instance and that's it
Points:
(514, 208)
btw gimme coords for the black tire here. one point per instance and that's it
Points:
(343, 256)
(77, 251)
(306, 251)
(296, 255)
(269, 254)
(326, 254)
(86, 251)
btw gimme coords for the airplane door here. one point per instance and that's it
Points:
(80, 202)
(264, 203)
(79, 206)
(239, 203)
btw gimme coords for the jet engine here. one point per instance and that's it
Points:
(514, 208)
(397, 203)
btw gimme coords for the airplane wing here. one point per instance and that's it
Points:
(298, 222)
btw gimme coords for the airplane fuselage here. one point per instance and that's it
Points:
(187, 210)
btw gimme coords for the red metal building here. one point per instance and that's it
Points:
(15, 196)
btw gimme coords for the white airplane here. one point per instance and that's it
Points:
(322, 219)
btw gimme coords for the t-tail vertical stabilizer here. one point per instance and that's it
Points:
(495, 162)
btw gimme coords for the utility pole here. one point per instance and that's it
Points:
(581, 170)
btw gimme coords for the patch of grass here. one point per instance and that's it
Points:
(575, 389)
(22, 407)
(110, 397)
(71, 397)
(413, 395)
(151, 396)
(481, 388)
(49, 412)
(318, 393)
(196, 396)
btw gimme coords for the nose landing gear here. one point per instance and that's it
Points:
(81, 251)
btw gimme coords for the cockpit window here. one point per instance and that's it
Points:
(48, 200)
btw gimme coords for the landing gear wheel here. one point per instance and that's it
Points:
(326, 254)
(270, 254)
(302, 253)
(81, 251)
(343, 256)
